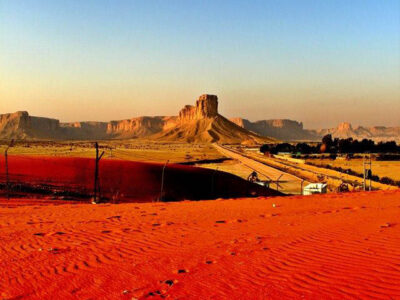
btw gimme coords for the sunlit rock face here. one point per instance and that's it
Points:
(21, 125)
(206, 107)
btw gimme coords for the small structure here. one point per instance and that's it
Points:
(315, 188)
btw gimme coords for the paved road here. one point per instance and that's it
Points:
(293, 182)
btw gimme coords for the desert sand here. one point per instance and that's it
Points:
(316, 247)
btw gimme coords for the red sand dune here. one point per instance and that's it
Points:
(129, 181)
(317, 247)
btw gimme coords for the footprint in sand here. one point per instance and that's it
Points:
(39, 234)
(220, 222)
(241, 221)
(170, 282)
(387, 225)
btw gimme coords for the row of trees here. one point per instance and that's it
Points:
(350, 145)
(334, 146)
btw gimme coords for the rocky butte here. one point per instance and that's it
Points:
(206, 107)
(194, 123)
(199, 123)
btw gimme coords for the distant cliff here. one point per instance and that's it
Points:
(377, 133)
(281, 129)
(20, 125)
(199, 123)
(289, 130)
(194, 123)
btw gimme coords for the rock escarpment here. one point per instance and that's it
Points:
(282, 129)
(206, 107)
(199, 123)
(203, 123)
(346, 130)
(289, 130)
(195, 123)
(20, 125)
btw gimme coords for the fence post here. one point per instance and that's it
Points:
(6, 165)
(162, 180)
(301, 187)
(96, 187)
(277, 182)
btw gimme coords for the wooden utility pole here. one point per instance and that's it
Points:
(162, 180)
(6, 166)
(96, 189)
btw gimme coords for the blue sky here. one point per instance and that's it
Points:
(321, 62)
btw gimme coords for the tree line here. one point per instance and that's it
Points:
(334, 146)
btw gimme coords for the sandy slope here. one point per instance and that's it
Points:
(210, 130)
(319, 247)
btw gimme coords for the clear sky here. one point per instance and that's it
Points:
(320, 62)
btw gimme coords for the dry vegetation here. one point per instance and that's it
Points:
(137, 150)
(317, 174)
(389, 169)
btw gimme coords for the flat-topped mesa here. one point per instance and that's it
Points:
(206, 107)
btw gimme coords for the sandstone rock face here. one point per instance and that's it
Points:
(344, 126)
(21, 125)
(346, 130)
(139, 127)
(289, 130)
(198, 123)
(281, 129)
(206, 107)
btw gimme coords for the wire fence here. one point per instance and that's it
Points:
(105, 178)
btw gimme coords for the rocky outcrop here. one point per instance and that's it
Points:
(199, 123)
(21, 125)
(206, 107)
(346, 130)
(202, 123)
(282, 129)
(289, 130)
